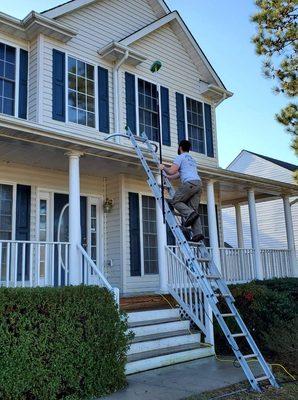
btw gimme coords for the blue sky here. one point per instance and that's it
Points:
(223, 30)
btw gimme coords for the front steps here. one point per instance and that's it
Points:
(161, 339)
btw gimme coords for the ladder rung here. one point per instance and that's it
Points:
(203, 259)
(228, 315)
(222, 295)
(262, 378)
(213, 277)
(238, 334)
(250, 356)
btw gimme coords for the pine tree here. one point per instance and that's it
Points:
(277, 41)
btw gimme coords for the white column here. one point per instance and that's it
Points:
(255, 234)
(75, 271)
(240, 241)
(212, 223)
(161, 246)
(290, 234)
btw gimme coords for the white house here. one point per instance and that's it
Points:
(69, 77)
(271, 222)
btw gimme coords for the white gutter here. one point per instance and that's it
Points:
(116, 92)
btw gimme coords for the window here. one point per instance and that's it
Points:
(6, 202)
(81, 93)
(148, 111)
(204, 221)
(7, 79)
(43, 228)
(149, 235)
(195, 125)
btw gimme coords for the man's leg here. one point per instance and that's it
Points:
(182, 196)
(196, 227)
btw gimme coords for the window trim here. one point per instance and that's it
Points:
(100, 256)
(95, 66)
(17, 76)
(185, 97)
(158, 85)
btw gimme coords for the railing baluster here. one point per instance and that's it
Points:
(8, 264)
(16, 265)
(38, 264)
(23, 263)
(59, 264)
(46, 272)
(0, 264)
(31, 265)
(53, 264)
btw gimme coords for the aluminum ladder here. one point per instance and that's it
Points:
(210, 281)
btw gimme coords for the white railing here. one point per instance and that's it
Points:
(183, 286)
(276, 263)
(30, 263)
(237, 265)
(93, 275)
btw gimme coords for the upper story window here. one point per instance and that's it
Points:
(7, 79)
(81, 93)
(148, 109)
(195, 125)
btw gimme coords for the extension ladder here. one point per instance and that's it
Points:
(209, 279)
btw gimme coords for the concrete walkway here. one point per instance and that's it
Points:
(179, 381)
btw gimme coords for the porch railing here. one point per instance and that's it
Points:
(183, 286)
(237, 265)
(276, 263)
(31, 263)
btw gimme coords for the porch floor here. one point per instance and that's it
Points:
(146, 301)
(180, 381)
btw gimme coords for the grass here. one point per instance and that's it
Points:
(288, 391)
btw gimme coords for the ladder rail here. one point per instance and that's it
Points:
(194, 266)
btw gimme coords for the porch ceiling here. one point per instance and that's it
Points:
(30, 144)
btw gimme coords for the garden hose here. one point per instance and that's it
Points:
(234, 360)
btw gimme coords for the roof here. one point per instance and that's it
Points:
(193, 44)
(283, 164)
(72, 5)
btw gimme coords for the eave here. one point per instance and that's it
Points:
(214, 93)
(33, 25)
(115, 51)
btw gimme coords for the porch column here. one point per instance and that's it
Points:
(290, 235)
(75, 272)
(240, 241)
(212, 223)
(255, 234)
(161, 246)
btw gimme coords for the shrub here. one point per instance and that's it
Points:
(60, 343)
(268, 308)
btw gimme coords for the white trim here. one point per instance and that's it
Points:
(123, 247)
(141, 233)
(174, 16)
(74, 5)
(40, 84)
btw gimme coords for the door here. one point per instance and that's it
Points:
(61, 232)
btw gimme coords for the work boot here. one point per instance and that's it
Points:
(191, 219)
(198, 238)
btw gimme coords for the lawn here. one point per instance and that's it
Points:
(288, 391)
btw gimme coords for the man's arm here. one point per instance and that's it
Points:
(172, 170)
(174, 176)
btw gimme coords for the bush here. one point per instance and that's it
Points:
(269, 309)
(60, 343)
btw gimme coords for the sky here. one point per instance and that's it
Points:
(223, 30)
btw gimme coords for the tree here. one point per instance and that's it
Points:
(277, 41)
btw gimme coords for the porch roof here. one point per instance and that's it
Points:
(231, 185)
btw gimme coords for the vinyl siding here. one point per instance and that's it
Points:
(32, 82)
(271, 220)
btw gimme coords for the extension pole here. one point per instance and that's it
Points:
(156, 66)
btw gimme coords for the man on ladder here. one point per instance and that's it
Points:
(187, 197)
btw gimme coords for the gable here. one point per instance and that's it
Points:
(252, 164)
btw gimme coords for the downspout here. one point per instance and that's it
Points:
(116, 92)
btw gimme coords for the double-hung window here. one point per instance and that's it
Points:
(6, 209)
(7, 79)
(195, 125)
(148, 109)
(81, 92)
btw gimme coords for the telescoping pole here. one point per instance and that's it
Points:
(155, 68)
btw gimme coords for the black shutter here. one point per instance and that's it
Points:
(134, 234)
(165, 116)
(23, 206)
(23, 84)
(180, 116)
(103, 100)
(130, 92)
(209, 133)
(58, 94)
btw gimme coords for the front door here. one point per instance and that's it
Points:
(61, 232)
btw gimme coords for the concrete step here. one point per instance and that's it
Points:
(161, 344)
(162, 327)
(141, 316)
(161, 335)
(155, 360)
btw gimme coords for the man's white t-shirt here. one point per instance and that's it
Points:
(187, 168)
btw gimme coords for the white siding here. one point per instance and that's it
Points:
(270, 214)
(32, 82)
